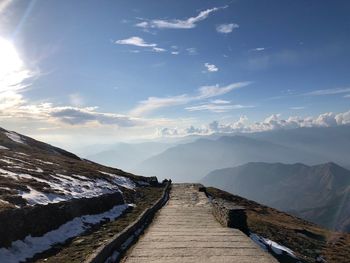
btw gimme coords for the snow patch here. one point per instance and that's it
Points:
(21, 250)
(5, 160)
(67, 187)
(265, 243)
(45, 162)
(34, 197)
(121, 180)
(4, 202)
(24, 154)
(3, 148)
(15, 137)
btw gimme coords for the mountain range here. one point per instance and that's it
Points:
(191, 161)
(319, 193)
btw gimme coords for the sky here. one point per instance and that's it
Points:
(83, 72)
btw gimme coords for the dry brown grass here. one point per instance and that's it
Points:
(307, 240)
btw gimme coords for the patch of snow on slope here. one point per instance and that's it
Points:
(24, 154)
(21, 250)
(34, 197)
(45, 162)
(121, 180)
(265, 243)
(82, 187)
(67, 187)
(15, 137)
(5, 160)
(3, 148)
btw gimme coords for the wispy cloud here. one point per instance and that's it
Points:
(191, 51)
(135, 41)
(226, 28)
(78, 116)
(139, 42)
(297, 108)
(188, 23)
(158, 49)
(211, 67)
(328, 92)
(218, 108)
(258, 49)
(221, 101)
(347, 96)
(205, 92)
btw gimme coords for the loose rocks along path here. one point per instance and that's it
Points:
(185, 231)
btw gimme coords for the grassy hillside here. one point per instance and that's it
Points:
(307, 240)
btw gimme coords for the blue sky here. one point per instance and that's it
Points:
(121, 70)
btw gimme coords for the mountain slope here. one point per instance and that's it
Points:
(33, 172)
(320, 193)
(190, 162)
(44, 189)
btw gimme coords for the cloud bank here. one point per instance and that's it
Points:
(273, 122)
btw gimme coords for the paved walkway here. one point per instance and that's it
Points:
(185, 231)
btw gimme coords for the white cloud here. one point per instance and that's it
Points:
(211, 67)
(135, 41)
(154, 103)
(188, 23)
(139, 42)
(215, 90)
(226, 28)
(205, 92)
(297, 108)
(220, 101)
(258, 49)
(273, 122)
(191, 51)
(328, 92)
(158, 49)
(175, 52)
(218, 108)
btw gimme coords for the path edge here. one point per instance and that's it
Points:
(119, 242)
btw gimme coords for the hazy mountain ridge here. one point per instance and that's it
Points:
(320, 193)
(127, 156)
(192, 161)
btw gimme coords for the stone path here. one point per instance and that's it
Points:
(185, 231)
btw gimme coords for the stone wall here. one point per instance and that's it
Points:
(123, 240)
(16, 224)
(230, 215)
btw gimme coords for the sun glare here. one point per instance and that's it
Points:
(10, 62)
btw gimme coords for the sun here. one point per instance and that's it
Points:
(10, 62)
(12, 69)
